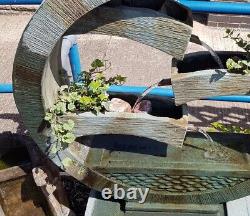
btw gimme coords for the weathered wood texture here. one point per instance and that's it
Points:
(162, 129)
(14, 172)
(36, 76)
(45, 29)
(142, 25)
(21, 197)
(47, 176)
(44, 179)
(190, 85)
(203, 84)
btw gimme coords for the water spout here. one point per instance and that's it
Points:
(164, 82)
(195, 39)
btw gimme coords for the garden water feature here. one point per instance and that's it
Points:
(129, 149)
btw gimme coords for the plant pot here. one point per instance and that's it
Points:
(198, 76)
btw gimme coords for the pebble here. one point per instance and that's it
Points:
(145, 106)
(119, 105)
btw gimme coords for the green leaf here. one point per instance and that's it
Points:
(63, 88)
(229, 128)
(228, 31)
(68, 138)
(60, 108)
(100, 76)
(117, 80)
(103, 97)
(85, 100)
(87, 96)
(69, 125)
(58, 128)
(54, 149)
(232, 65)
(120, 78)
(97, 64)
(211, 130)
(67, 162)
(95, 85)
(73, 96)
(71, 107)
(48, 117)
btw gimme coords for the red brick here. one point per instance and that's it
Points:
(213, 24)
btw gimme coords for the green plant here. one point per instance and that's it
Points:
(87, 95)
(235, 64)
(217, 126)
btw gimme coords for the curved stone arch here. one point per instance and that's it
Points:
(32, 66)
(143, 25)
(45, 29)
(34, 58)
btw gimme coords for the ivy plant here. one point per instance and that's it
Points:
(89, 94)
(236, 64)
(217, 126)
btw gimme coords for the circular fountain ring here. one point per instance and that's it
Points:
(36, 79)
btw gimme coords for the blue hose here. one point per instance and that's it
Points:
(217, 7)
(138, 90)
(6, 88)
(75, 62)
(194, 5)
(20, 2)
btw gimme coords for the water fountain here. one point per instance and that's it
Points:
(109, 149)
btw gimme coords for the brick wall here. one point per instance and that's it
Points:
(228, 20)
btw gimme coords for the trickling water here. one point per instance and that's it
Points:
(196, 39)
(214, 152)
(209, 138)
(164, 82)
(213, 54)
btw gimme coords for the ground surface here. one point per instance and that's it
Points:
(142, 65)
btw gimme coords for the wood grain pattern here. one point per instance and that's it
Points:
(15, 172)
(142, 25)
(162, 129)
(35, 76)
(41, 35)
(36, 81)
(207, 83)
